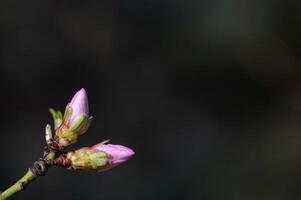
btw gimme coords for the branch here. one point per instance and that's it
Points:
(19, 185)
(39, 169)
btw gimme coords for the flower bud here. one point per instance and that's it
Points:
(116, 154)
(75, 122)
(99, 157)
(79, 105)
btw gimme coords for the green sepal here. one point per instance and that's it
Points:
(79, 123)
(98, 160)
(75, 130)
(68, 113)
(87, 125)
(88, 160)
(70, 136)
(57, 117)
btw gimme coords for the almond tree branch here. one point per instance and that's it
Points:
(39, 169)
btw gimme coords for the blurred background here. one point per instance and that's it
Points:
(208, 94)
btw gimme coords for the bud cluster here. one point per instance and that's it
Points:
(68, 128)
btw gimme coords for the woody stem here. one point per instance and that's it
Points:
(39, 169)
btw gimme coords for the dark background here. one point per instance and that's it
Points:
(206, 92)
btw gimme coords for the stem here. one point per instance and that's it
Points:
(39, 169)
(19, 185)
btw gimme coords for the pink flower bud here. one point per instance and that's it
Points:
(79, 105)
(75, 122)
(100, 157)
(117, 154)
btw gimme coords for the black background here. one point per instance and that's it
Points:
(206, 92)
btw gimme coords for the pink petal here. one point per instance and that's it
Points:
(117, 153)
(79, 104)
